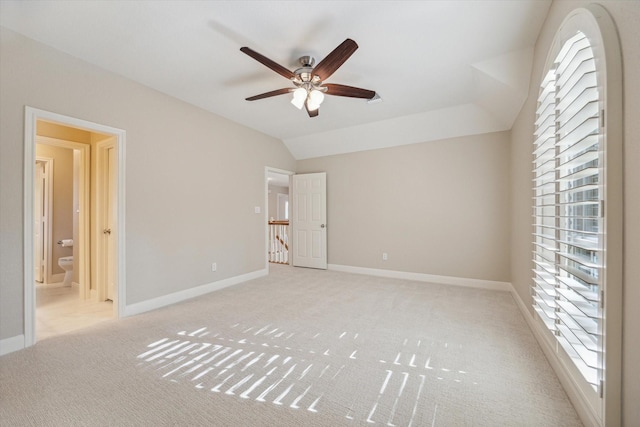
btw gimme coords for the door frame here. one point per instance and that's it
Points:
(32, 115)
(47, 208)
(268, 169)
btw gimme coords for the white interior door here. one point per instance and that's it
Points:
(309, 220)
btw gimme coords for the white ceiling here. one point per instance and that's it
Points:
(443, 68)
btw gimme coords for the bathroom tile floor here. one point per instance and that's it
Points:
(60, 310)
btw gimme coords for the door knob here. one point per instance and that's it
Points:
(321, 225)
(106, 231)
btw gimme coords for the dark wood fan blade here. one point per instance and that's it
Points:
(269, 63)
(350, 91)
(269, 94)
(311, 113)
(335, 59)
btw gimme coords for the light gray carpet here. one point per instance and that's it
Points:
(300, 347)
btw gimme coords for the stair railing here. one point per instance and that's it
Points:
(279, 242)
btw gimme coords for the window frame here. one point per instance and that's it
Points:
(594, 408)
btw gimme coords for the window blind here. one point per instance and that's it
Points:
(568, 207)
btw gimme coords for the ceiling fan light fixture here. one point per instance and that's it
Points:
(315, 99)
(299, 96)
(309, 80)
(316, 96)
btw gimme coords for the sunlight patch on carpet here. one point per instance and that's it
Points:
(304, 371)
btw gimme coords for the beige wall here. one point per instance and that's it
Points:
(439, 208)
(62, 206)
(626, 15)
(181, 214)
(274, 190)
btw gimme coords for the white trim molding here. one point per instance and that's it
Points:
(9, 345)
(575, 394)
(429, 278)
(176, 297)
(32, 115)
(17, 343)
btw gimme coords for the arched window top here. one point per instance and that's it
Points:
(597, 27)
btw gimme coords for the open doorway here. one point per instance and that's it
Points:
(74, 181)
(278, 213)
(296, 216)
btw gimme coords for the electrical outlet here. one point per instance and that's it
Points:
(214, 266)
(384, 256)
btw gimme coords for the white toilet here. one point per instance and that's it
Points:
(66, 263)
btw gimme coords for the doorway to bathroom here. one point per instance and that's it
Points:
(73, 260)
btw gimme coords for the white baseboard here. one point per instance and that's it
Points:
(580, 403)
(165, 300)
(430, 278)
(9, 345)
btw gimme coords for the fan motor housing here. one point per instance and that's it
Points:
(307, 61)
(305, 73)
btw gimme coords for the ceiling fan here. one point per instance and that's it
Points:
(309, 81)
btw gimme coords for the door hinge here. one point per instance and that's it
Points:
(601, 208)
(602, 299)
(601, 389)
(602, 121)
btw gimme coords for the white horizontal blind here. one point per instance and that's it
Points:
(568, 207)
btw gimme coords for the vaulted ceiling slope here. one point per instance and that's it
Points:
(442, 68)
